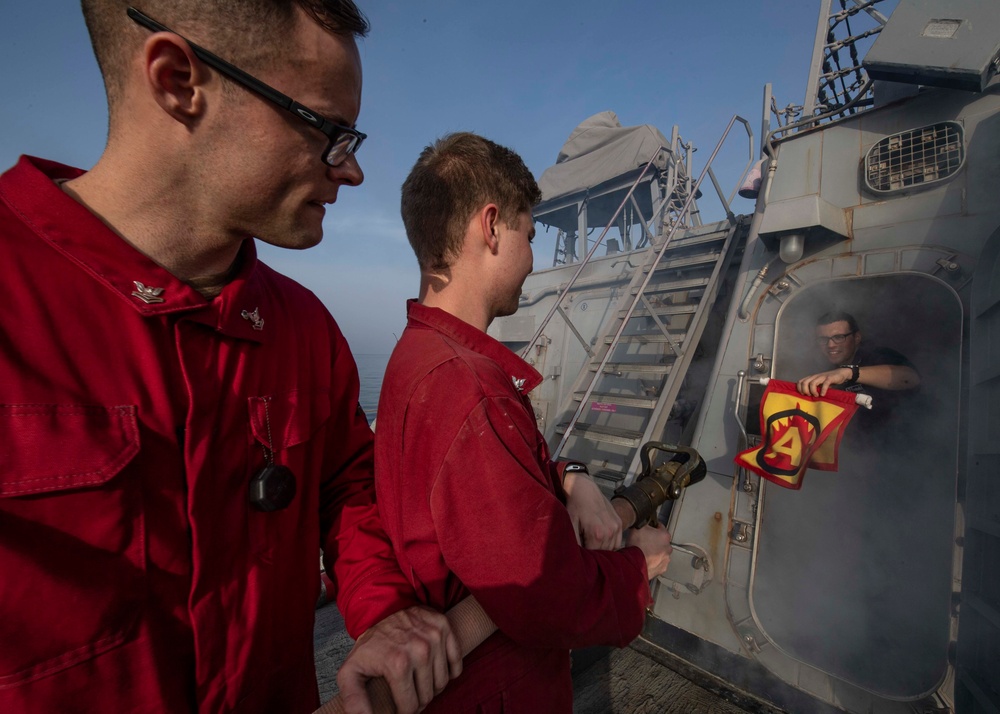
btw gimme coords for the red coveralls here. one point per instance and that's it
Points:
(473, 503)
(134, 573)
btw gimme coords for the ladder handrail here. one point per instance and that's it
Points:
(692, 339)
(642, 289)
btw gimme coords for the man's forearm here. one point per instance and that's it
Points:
(888, 376)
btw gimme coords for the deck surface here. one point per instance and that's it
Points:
(617, 682)
(624, 681)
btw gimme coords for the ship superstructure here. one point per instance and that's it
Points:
(875, 588)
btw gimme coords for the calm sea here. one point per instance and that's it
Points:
(371, 368)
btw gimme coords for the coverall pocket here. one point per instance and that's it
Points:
(283, 427)
(72, 563)
(494, 705)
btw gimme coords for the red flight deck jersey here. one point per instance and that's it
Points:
(135, 575)
(473, 504)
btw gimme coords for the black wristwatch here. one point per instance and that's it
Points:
(855, 372)
(577, 467)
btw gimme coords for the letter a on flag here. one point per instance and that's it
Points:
(799, 432)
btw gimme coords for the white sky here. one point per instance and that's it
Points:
(523, 73)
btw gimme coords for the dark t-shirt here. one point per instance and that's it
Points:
(885, 402)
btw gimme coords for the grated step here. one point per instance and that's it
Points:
(607, 434)
(688, 261)
(632, 367)
(670, 309)
(608, 481)
(616, 478)
(652, 338)
(707, 238)
(625, 400)
(674, 285)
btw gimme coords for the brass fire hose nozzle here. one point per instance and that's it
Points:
(655, 485)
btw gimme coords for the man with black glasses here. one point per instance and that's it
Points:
(181, 429)
(879, 371)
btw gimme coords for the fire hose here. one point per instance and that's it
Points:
(636, 506)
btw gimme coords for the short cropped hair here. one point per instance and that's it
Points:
(249, 33)
(453, 178)
(838, 316)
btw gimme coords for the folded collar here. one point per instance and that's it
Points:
(29, 189)
(523, 376)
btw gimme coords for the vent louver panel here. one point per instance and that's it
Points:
(915, 158)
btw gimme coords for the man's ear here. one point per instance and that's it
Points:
(489, 220)
(174, 76)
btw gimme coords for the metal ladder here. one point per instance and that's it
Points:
(643, 351)
(624, 396)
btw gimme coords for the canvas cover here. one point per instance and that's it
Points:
(599, 149)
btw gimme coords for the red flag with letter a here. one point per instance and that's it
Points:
(799, 432)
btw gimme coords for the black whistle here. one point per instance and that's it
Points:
(273, 488)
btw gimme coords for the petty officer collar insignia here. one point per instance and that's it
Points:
(148, 295)
(518, 383)
(256, 321)
(273, 487)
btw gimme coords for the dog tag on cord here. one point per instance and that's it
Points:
(273, 488)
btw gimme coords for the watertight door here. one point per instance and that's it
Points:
(978, 668)
(852, 573)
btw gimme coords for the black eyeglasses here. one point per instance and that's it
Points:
(835, 339)
(344, 140)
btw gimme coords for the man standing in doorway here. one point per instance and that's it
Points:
(879, 371)
(181, 423)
